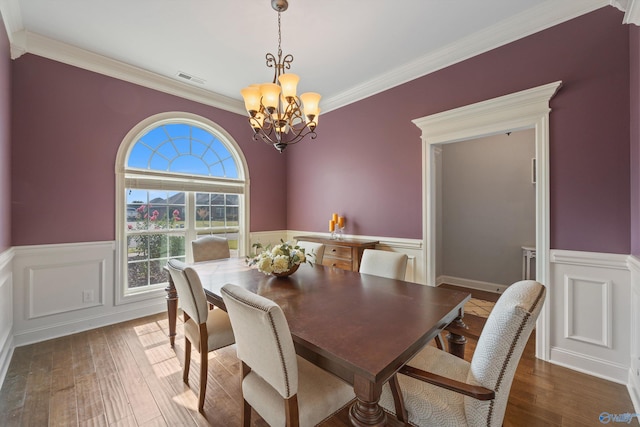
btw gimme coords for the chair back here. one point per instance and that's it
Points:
(190, 292)
(209, 248)
(263, 338)
(392, 265)
(499, 349)
(317, 249)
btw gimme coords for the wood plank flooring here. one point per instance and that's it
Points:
(128, 375)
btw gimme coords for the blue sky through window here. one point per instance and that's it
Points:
(183, 148)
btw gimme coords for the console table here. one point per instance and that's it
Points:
(341, 253)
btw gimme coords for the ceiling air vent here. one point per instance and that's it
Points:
(190, 78)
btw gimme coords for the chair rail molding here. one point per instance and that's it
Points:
(521, 110)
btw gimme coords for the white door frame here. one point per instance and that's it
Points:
(521, 110)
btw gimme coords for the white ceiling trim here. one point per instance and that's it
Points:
(631, 9)
(546, 15)
(67, 54)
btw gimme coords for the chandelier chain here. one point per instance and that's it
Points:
(279, 37)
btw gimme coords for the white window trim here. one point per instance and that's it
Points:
(122, 295)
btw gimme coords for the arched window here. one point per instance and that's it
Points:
(179, 176)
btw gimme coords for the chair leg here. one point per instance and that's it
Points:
(398, 401)
(246, 408)
(246, 414)
(291, 411)
(204, 365)
(187, 360)
(439, 342)
(187, 352)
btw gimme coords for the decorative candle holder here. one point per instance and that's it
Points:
(341, 228)
(332, 228)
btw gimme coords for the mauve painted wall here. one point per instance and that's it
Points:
(67, 126)
(634, 108)
(366, 161)
(5, 140)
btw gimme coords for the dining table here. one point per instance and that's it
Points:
(362, 328)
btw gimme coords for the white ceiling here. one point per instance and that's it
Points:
(345, 50)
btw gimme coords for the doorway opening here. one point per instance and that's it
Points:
(520, 110)
(486, 211)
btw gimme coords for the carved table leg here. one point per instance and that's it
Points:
(172, 310)
(457, 342)
(365, 411)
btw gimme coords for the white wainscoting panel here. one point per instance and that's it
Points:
(634, 371)
(589, 296)
(266, 238)
(85, 287)
(6, 312)
(66, 288)
(588, 315)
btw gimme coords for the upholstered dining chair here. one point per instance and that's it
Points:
(438, 389)
(317, 249)
(207, 330)
(209, 248)
(283, 388)
(392, 265)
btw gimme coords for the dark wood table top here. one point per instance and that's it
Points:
(364, 325)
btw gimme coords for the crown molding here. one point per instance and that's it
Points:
(546, 15)
(631, 9)
(48, 48)
(12, 18)
(543, 16)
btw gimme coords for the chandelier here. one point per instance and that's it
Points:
(276, 114)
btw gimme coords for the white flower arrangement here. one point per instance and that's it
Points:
(278, 259)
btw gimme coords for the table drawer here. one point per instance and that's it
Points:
(337, 251)
(345, 264)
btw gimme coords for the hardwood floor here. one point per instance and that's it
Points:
(128, 375)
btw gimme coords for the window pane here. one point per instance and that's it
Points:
(217, 199)
(157, 274)
(154, 137)
(203, 213)
(139, 156)
(183, 145)
(150, 216)
(183, 148)
(232, 216)
(158, 246)
(137, 274)
(232, 199)
(176, 247)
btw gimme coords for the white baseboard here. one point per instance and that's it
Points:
(634, 390)
(590, 365)
(56, 330)
(472, 284)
